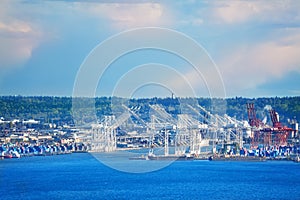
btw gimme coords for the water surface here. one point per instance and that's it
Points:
(81, 176)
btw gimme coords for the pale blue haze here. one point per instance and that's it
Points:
(255, 44)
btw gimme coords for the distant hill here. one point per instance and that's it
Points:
(59, 109)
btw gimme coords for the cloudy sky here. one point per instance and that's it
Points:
(255, 45)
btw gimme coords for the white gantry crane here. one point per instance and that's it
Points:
(194, 128)
(103, 135)
(161, 123)
(188, 135)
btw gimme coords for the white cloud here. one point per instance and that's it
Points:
(15, 27)
(236, 11)
(18, 37)
(128, 15)
(15, 51)
(252, 65)
(246, 58)
(241, 11)
(21, 32)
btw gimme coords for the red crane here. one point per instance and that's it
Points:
(253, 121)
(276, 135)
(275, 118)
(281, 132)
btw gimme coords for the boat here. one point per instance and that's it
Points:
(237, 158)
(178, 156)
(170, 157)
(139, 158)
(6, 154)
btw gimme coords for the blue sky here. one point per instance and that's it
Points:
(254, 44)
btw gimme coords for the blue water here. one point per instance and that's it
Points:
(81, 176)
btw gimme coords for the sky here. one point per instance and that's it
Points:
(253, 47)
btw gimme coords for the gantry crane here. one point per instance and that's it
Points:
(266, 135)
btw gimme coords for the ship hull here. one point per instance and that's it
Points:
(170, 157)
(238, 158)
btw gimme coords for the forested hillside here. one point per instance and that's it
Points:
(59, 109)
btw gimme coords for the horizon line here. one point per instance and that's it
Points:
(158, 97)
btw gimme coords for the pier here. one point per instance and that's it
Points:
(194, 133)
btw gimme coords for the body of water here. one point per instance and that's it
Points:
(81, 176)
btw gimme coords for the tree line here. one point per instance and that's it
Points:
(59, 109)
